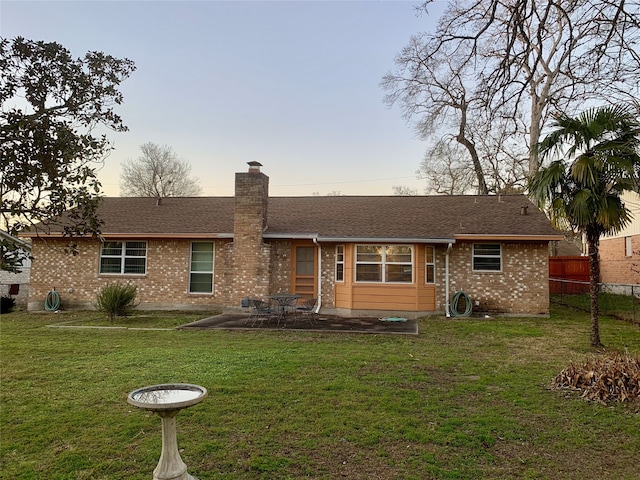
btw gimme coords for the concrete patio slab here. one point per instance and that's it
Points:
(322, 323)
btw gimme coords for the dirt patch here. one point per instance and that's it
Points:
(322, 323)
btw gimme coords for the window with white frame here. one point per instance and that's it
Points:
(339, 263)
(201, 270)
(384, 263)
(487, 257)
(129, 258)
(429, 265)
(628, 250)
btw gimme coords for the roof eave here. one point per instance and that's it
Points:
(309, 236)
(386, 240)
(507, 237)
(110, 235)
(343, 239)
(11, 238)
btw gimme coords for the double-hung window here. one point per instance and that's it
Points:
(339, 263)
(429, 265)
(487, 257)
(384, 263)
(124, 258)
(201, 270)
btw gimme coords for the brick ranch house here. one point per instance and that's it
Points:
(394, 255)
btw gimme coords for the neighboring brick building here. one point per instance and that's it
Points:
(620, 253)
(16, 285)
(403, 255)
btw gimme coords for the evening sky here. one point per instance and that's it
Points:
(293, 85)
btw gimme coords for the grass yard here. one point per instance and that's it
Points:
(623, 307)
(465, 399)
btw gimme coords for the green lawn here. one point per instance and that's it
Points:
(465, 399)
(623, 307)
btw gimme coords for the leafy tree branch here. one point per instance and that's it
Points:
(51, 105)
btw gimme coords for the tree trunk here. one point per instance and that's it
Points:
(593, 242)
(471, 148)
(534, 137)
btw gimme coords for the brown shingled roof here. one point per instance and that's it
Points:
(172, 215)
(409, 217)
(332, 217)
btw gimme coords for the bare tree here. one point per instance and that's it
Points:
(445, 168)
(434, 87)
(404, 191)
(472, 150)
(505, 160)
(159, 173)
(558, 55)
(507, 66)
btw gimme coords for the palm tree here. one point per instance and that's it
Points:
(597, 158)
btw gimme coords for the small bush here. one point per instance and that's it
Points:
(116, 299)
(7, 304)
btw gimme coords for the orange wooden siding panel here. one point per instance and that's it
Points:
(415, 296)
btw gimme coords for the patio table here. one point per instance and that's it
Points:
(283, 301)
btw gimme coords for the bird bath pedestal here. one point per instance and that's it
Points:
(167, 400)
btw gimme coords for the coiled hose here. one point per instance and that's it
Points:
(454, 305)
(52, 301)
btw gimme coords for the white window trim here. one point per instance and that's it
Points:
(426, 264)
(383, 263)
(123, 256)
(339, 262)
(213, 268)
(474, 256)
(628, 250)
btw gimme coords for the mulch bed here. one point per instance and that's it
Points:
(322, 323)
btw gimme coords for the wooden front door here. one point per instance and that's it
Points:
(304, 270)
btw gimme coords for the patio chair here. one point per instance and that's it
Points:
(260, 311)
(305, 309)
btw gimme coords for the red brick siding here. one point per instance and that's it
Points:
(77, 278)
(615, 267)
(522, 287)
(328, 270)
(281, 257)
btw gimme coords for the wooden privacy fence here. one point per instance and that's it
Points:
(568, 275)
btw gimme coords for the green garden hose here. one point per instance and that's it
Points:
(52, 302)
(454, 305)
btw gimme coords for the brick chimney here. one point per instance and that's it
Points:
(251, 200)
(251, 255)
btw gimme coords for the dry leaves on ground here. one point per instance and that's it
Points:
(604, 379)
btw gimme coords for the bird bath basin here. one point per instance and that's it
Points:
(167, 400)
